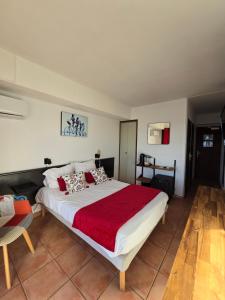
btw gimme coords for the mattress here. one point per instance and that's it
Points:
(129, 235)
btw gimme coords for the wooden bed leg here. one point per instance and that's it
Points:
(164, 218)
(122, 281)
(42, 211)
(164, 215)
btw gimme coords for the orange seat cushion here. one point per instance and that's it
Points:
(22, 207)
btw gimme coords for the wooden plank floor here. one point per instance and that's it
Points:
(198, 271)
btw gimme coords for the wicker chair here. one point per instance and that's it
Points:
(13, 229)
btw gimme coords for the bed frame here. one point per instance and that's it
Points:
(28, 182)
(129, 256)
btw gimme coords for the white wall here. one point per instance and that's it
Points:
(191, 112)
(174, 112)
(20, 73)
(25, 143)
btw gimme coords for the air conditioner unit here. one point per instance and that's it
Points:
(12, 108)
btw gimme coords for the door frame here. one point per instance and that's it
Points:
(190, 144)
(196, 143)
(129, 121)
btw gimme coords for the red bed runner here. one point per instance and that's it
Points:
(101, 220)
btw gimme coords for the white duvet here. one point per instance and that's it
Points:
(130, 234)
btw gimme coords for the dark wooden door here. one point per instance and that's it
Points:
(208, 142)
(189, 156)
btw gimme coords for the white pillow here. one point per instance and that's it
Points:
(52, 174)
(85, 166)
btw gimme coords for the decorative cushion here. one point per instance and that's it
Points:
(74, 182)
(99, 175)
(62, 184)
(84, 166)
(52, 174)
(22, 207)
(89, 178)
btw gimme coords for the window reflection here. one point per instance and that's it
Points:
(207, 141)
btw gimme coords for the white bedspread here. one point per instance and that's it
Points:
(130, 234)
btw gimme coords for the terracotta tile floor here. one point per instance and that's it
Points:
(64, 267)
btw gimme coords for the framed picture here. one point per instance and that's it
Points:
(73, 125)
(159, 133)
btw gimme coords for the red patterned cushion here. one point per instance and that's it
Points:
(74, 182)
(62, 184)
(89, 178)
(99, 175)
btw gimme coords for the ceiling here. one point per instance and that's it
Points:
(137, 51)
(210, 103)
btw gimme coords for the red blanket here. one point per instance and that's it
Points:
(101, 220)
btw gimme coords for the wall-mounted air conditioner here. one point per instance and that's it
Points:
(12, 108)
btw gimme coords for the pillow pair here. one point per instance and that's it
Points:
(52, 175)
(75, 182)
(86, 167)
(91, 173)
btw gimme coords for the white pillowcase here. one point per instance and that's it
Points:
(52, 174)
(45, 182)
(85, 166)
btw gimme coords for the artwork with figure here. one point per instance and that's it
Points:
(74, 125)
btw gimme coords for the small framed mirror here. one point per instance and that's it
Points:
(159, 133)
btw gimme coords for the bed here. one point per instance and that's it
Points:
(129, 238)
